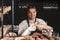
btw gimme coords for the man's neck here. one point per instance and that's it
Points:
(33, 20)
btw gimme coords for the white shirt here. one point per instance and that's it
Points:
(24, 30)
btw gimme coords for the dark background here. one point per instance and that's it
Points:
(51, 16)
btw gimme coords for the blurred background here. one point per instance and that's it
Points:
(47, 10)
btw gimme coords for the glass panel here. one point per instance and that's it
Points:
(7, 17)
(1, 19)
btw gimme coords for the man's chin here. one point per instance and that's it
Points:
(32, 18)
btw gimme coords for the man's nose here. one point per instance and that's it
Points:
(31, 13)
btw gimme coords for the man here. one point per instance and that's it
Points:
(26, 27)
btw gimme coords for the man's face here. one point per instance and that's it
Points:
(32, 13)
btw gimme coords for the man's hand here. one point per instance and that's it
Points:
(29, 30)
(40, 27)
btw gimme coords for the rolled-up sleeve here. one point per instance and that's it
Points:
(42, 22)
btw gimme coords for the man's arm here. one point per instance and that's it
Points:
(21, 28)
(45, 29)
(41, 27)
(28, 31)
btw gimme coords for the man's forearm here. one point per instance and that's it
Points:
(40, 27)
(26, 33)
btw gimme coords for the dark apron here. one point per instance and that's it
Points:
(38, 31)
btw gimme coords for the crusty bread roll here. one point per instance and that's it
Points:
(7, 38)
(11, 34)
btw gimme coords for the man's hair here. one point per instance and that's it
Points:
(31, 7)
